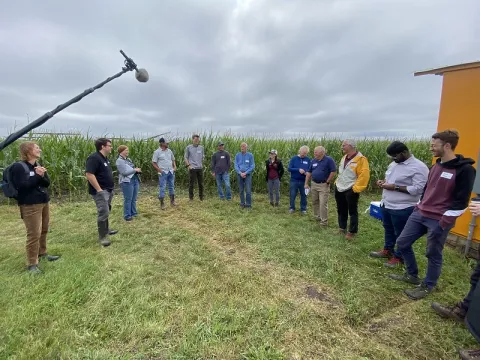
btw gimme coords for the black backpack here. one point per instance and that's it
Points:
(7, 186)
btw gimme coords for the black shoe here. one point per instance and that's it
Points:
(104, 242)
(129, 219)
(48, 257)
(406, 278)
(271, 203)
(112, 232)
(456, 312)
(276, 204)
(33, 269)
(418, 292)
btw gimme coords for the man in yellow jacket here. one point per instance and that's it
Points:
(353, 177)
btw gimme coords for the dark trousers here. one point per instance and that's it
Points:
(474, 281)
(417, 226)
(393, 223)
(347, 204)
(195, 175)
(103, 201)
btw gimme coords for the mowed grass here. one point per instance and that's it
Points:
(208, 280)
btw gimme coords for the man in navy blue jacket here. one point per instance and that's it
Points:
(298, 168)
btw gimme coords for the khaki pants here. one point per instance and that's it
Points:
(36, 218)
(320, 194)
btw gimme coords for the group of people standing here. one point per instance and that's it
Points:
(416, 201)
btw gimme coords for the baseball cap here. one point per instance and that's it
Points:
(220, 143)
(273, 152)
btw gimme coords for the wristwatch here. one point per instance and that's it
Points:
(397, 188)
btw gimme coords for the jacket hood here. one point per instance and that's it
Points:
(459, 161)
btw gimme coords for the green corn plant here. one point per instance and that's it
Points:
(65, 157)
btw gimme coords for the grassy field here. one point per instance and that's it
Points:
(210, 281)
(65, 156)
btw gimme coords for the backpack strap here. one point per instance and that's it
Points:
(25, 167)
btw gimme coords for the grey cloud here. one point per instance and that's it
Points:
(284, 67)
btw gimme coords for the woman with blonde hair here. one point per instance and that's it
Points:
(129, 182)
(31, 181)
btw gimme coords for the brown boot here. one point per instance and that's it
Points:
(469, 354)
(456, 312)
(172, 200)
(350, 236)
(162, 204)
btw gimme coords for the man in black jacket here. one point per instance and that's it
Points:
(100, 186)
(31, 181)
(221, 171)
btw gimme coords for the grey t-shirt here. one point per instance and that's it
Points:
(195, 155)
(164, 159)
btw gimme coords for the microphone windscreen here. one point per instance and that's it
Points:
(141, 75)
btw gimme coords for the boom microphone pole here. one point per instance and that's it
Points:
(140, 74)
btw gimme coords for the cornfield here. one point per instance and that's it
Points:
(65, 156)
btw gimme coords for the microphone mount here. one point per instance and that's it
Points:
(129, 66)
(129, 63)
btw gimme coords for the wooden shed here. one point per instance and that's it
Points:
(460, 110)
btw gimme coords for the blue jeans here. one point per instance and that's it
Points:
(393, 222)
(295, 187)
(223, 178)
(130, 192)
(163, 180)
(417, 226)
(245, 186)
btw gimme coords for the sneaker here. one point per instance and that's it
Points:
(276, 204)
(418, 292)
(129, 219)
(304, 212)
(342, 231)
(271, 203)
(406, 278)
(112, 232)
(384, 254)
(104, 242)
(33, 269)
(393, 262)
(469, 354)
(456, 312)
(242, 206)
(350, 236)
(48, 257)
(291, 211)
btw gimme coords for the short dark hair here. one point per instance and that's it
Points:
(195, 136)
(448, 136)
(101, 142)
(396, 148)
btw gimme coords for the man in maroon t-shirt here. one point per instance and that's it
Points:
(445, 197)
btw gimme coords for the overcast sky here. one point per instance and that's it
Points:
(246, 66)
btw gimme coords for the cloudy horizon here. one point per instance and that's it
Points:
(246, 67)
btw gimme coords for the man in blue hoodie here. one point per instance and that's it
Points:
(244, 166)
(298, 168)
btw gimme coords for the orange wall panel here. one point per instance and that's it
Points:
(460, 109)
